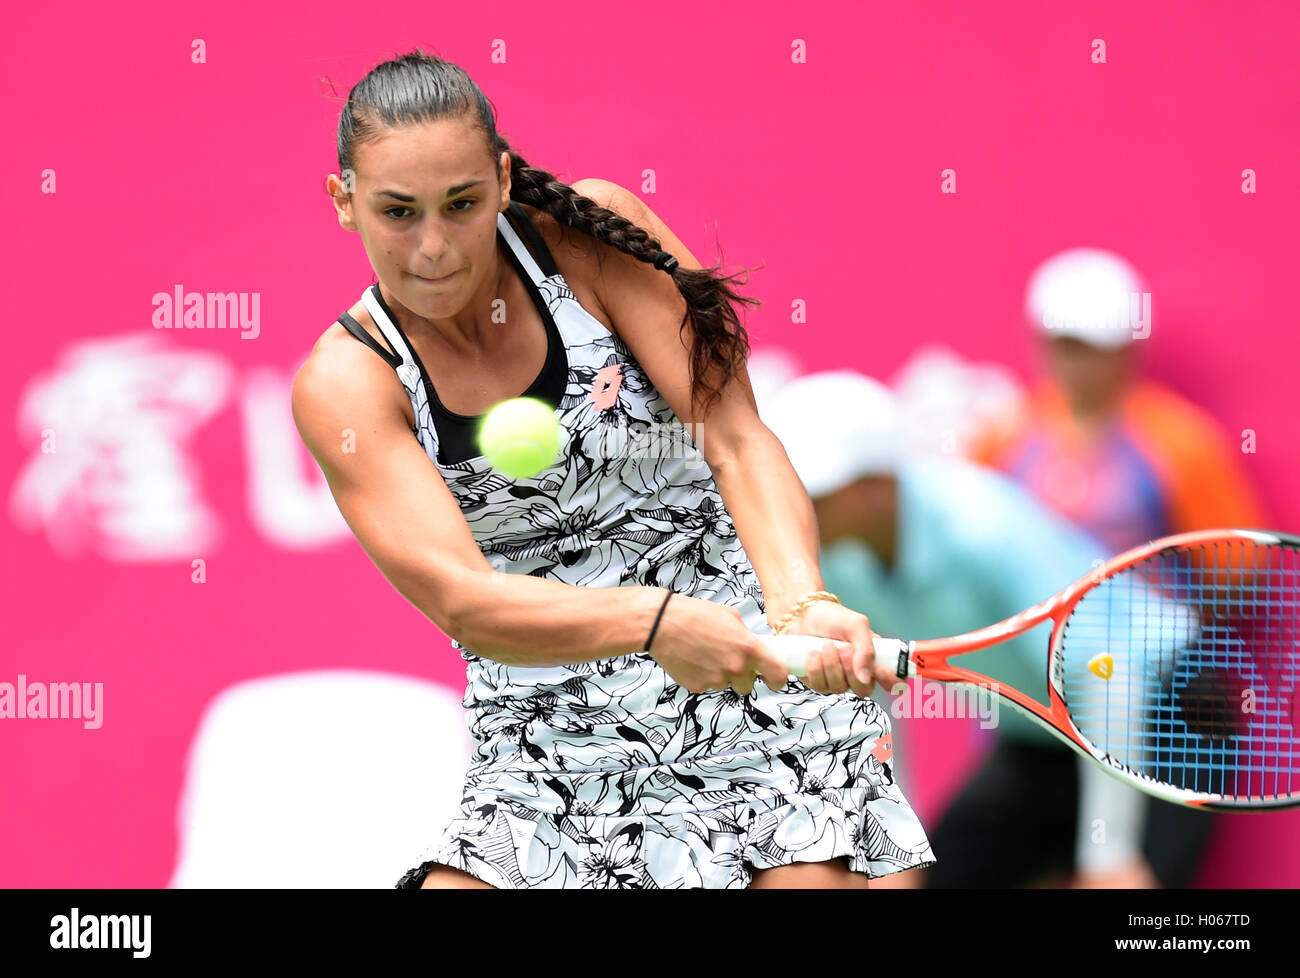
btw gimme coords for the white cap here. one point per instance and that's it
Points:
(837, 426)
(1086, 293)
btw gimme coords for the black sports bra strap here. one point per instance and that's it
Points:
(357, 330)
(540, 252)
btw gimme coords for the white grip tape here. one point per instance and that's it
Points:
(793, 650)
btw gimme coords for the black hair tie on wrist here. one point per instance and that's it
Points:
(656, 625)
(666, 261)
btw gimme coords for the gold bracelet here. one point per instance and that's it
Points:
(802, 603)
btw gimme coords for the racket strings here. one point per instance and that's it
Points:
(1183, 668)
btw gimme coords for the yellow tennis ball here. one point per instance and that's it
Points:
(520, 436)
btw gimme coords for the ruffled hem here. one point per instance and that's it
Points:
(510, 846)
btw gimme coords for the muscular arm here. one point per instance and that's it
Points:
(774, 519)
(771, 510)
(404, 516)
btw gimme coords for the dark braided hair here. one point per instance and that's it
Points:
(418, 87)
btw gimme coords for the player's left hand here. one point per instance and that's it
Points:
(830, 671)
(1134, 875)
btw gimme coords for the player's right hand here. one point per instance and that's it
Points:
(706, 646)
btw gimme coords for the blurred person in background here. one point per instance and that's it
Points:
(928, 547)
(1123, 457)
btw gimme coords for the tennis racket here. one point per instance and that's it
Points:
(1174, 665)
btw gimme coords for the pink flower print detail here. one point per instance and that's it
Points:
(605, 385)
(884, 748)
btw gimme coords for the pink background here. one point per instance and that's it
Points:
(825, 173)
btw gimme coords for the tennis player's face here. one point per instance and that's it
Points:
(425, 203)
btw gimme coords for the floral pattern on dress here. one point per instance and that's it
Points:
(608, 774)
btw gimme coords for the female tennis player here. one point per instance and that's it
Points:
(606, 609)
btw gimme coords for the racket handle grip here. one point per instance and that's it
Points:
(793, 651)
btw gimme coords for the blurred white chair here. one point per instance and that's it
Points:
(332, 779)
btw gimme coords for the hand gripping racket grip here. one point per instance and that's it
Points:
(793, 651)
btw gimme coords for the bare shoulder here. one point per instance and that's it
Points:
(341, 367)
(609, 194)
(566, 243)
(579, 257)
(594, 258)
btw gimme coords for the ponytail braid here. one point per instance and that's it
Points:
(721, 344)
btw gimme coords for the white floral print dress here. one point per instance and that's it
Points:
(609, 774)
